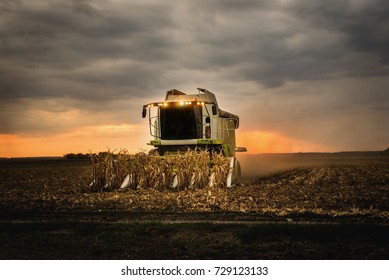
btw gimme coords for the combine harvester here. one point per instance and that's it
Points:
(194, 122)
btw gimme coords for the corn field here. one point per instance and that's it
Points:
(190, 169)
(356, 187)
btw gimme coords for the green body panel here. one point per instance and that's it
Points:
(227, 149)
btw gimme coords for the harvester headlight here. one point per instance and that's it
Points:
(165, 104)
(181, 103)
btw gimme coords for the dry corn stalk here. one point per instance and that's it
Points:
(109, 169)
(220, 169)
(192, 169)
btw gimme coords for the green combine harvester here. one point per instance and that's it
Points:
(193, 121)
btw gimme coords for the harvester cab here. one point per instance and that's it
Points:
(193, 121)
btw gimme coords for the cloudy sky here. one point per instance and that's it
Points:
(303, 75)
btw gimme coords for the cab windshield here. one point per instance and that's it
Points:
(181, 122)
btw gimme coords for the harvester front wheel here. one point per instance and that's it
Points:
(234, 173)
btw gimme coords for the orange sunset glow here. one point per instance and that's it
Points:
(268, 142)
(132, 138)
(82, 140)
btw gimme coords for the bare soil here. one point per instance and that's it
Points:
(333, 208)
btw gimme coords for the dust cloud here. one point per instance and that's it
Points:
(262, 164)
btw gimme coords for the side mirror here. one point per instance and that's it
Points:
(144, 112)
(240, 149)
(214, 110)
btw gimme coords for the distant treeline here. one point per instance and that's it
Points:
(84, 156)
(356, 153)
(77, 156)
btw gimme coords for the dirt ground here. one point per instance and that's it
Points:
(305, 206)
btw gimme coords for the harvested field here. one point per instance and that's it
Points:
(336, 208)
(330, 189)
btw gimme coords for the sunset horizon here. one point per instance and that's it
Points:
(13, 146)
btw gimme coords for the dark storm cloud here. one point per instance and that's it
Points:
(301, 57)
(269, 42)
(39, 33)
(364, 23)
(272, 42)
(57, 38)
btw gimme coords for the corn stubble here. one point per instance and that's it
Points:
(359, 189)
(192, 169)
